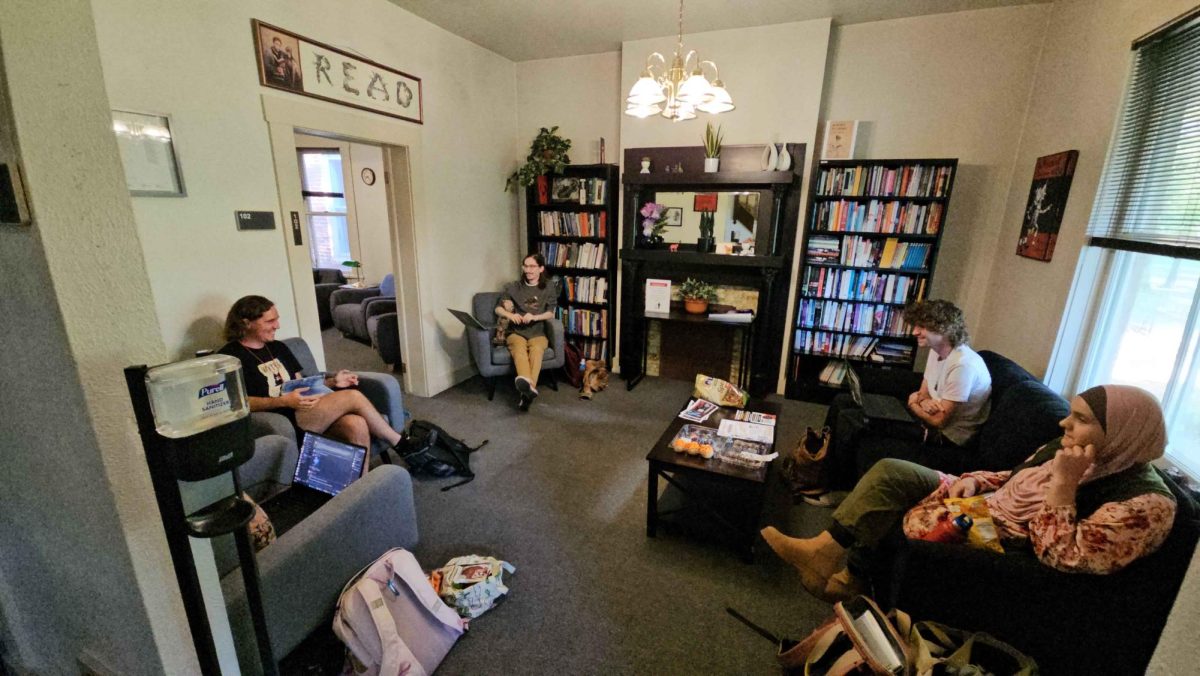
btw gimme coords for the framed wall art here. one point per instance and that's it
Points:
(1047, 200)
(148, 154)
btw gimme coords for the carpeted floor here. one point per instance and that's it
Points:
(561, 494)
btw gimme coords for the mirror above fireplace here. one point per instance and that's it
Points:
(735, 215)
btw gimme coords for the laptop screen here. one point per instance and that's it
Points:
(328, 465)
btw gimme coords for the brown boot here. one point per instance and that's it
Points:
(842, 587)
(817, 558)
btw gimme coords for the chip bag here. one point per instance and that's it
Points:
(719, 392)
(983, 533)
(471, 585)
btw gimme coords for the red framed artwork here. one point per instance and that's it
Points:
(704, 202)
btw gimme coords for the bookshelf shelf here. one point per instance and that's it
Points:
(567, 233)
(851, 243)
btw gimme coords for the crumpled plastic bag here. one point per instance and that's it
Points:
(719, 392)
(471, 584)
(983, 534)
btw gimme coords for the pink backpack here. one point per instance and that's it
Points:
(392, 620)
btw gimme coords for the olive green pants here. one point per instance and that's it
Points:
(527, 355)
(878, 502)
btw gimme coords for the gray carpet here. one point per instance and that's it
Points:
(561, 494)
(346, 353)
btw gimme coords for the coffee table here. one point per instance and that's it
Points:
(675, 468)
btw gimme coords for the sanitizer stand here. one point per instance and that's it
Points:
(199, 456)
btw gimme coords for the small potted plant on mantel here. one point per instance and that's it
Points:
(697, 295)
(712, 148)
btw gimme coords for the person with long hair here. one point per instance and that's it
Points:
(528, 304)
(267, 364)
(1087, 502)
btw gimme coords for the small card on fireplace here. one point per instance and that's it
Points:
(658, 297)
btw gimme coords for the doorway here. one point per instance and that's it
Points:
(398, 146)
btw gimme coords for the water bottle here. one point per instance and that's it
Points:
(950, 531)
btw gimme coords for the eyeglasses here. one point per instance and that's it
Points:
(534, 266)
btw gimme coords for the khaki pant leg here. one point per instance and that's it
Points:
(537, 348)
(518, 347)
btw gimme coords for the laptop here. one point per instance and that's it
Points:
(468, 319)
(877, 406)
(325, 468)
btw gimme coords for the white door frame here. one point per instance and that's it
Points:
(285, 115)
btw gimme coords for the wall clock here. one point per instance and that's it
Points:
(368, 176)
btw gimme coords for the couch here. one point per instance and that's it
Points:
(325, 282)
(352, 307)
(384, 329)
(302, 573)
(1024, 415)
(494, 361)
(381, 389)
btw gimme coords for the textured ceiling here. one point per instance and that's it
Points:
(523, 30)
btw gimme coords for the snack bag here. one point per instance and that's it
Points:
(471, 585)
(719, 391)
(983, 531)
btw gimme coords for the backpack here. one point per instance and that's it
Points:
(572, 368)
(426, 436)
(392, 621)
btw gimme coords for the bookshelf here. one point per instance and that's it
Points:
(871, 244)
(572, 221)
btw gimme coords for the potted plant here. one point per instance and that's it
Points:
(712, 148)
(697, 295)
(707, 243)
(547, 153)
(357, 267)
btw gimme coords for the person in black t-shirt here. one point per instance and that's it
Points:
(267, 364)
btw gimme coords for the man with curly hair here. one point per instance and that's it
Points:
(955, 395)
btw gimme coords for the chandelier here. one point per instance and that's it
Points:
(679, 91)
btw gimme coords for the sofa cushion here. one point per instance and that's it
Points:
(1004, 371)
(1024, 416)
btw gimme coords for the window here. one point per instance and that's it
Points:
(1134, 312)
(323, 187)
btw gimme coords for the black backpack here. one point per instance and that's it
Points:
(424, 436)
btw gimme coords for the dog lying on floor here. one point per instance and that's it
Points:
(595, 378)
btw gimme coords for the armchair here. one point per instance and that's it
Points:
(302, 573)
(349, 307)
(384, 328)
(326, 281)
(494, 360)
(380, 388)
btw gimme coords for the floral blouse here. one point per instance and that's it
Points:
(1114, 536)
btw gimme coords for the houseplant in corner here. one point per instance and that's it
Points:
(697, 295)
(712, 148)
(547, 153)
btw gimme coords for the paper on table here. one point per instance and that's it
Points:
(745, 430)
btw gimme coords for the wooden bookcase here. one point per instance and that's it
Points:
(871, 245)
(575, 228)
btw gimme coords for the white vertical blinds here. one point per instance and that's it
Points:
(1149, 197)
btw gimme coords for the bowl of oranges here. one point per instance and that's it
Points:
(697, 440)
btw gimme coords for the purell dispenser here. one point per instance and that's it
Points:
(194, 420)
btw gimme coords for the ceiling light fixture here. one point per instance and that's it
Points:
(679, 91)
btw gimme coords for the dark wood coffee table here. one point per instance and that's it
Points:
(672, 466)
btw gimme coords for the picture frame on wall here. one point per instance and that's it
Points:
(673, 217)
(704, 202)
(1052, 176)
(840, 137)
(147, 145)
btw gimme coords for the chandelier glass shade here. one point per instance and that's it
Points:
(679, 91)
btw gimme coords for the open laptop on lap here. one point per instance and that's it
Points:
(326, 467)
(877, 406)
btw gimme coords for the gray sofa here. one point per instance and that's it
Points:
(302, 573)
(494, 361)
(351, 308)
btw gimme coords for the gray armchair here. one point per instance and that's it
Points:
(302, 573)
(385, 337)
(326, 281)
(351, 307)
(494, 360)
(381, 388)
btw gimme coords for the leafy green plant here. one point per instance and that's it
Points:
(712, 141)
(696, 289)
(547, 153)
(707, 221)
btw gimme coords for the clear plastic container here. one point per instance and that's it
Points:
(697, 440)
(191, 396)
(745, 453)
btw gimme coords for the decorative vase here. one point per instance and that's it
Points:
(785, 159)
(645, 166)
(695, 306)
(706, 244)
(770, 157)
(711, 164)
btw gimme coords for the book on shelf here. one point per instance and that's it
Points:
(860, 285)
(824, 249)
(877, 216)
(573, 224)
(732, 316)
(587, 289)
(836, 315)
(910, 180)
(834, 373)
(587, 256)
(833, 344)
(893, 353)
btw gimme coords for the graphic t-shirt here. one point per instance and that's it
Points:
(961, 377)
(535, 301)
(266, 369)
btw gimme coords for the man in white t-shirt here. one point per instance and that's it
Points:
(955, 394)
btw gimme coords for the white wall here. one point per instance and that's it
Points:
(1076, 97)
(371, 212)
(196, 61)
(85, 566)
(947, 85)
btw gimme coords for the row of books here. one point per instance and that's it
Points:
(833, 315)
(586, 289)
(914, 180)
(868, 252)
(590, 255)
(849, 347)
(862, 285)
(585, 322)
(573, 223)
(893, 353)
(878, 216)
(834, 373)
(591, 348)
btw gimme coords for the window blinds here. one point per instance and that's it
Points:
(1149, 197)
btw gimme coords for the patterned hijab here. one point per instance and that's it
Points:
(1134, 433)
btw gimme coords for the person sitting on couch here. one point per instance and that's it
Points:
(954, 397)
(267, 364)
(1087, 502)
(534, 298)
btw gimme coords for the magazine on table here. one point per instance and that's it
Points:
(698, 410)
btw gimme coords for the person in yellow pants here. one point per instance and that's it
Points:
(528, 304)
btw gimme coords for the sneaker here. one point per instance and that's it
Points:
(526, 400)
(525, 387)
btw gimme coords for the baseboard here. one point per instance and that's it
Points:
(448, 379)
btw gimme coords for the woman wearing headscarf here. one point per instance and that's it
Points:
(1087, 502)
